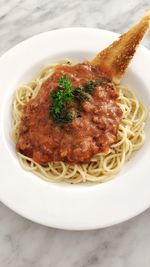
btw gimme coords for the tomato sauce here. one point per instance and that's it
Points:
(93, 131)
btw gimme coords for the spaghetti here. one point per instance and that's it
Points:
(102, 166)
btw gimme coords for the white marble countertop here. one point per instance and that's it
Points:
(26, 244)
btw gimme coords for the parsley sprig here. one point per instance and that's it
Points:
(60, 98)
(91, 85)
(65, 94)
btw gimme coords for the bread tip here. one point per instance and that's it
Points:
(147, 14)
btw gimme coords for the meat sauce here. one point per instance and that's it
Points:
(93, 131)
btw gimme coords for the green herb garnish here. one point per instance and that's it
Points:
(89, 87)
(80, 95)
(65, 94)
(63, 117)
(60, 98)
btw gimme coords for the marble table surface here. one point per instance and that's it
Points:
(26, 244)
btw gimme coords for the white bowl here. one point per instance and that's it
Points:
(58, 204)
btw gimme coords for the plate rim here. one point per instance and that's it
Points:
(57, 224)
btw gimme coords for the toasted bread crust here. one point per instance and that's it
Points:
(115, 58)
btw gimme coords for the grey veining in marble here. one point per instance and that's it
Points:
(26, 244)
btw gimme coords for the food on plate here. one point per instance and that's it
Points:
(76, 122)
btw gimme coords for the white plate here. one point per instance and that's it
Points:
(61, 205)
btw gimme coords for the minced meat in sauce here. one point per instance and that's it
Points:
(93, 129)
